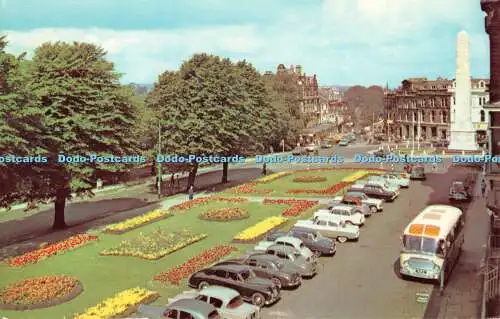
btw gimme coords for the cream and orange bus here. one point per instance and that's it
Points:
(432, 243)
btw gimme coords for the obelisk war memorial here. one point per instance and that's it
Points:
(462, 133)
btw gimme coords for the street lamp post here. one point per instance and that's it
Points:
(158, 162)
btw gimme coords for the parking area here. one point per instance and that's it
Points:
(361, 280)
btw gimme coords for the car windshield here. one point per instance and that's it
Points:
(277, 264)
(235, 302)
(424, 245)
(247, 274)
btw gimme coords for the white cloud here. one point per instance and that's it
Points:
(343, 41)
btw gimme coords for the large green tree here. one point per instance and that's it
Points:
(85, 111)
(212, 106)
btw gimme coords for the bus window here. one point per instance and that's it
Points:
(420, 244)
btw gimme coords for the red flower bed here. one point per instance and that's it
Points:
(176, 274)
(202, 200)
(249, 188)
(52, 249)
(327, 191)
(298, 206)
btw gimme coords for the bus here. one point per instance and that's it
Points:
(432, 243)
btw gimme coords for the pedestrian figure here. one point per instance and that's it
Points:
(178, 181)
(191, 192)
(264, 169)
(434, 166)
(392, 167)
(99, 183)
(271, 149)
(483, 188)
(172, 181)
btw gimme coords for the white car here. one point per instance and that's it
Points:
(311, 147)
(331, 226)
(347, 213)
(389, 182)
(287, 241)
(397, 179)
(227, 301)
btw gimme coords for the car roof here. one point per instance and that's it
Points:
(282, 248)
(290, 239)
(262, 256)
(342, 207)
(354, 193)
(303, 230)
(329, 217)
(189, 305)
(232, 267)
(223, 293)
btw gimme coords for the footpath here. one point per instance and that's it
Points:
(462, 296)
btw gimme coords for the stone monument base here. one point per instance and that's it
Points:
(464, 141)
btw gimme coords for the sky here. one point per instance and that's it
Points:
(344, 42)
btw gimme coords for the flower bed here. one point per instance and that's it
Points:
(136, 222)
(327, 191)
(309, 179)
(272, 177)
(203, 200)
(357, 176)
(249, 188)
(40, 292)
(122, 304)
(298, 206)
(176, 274)
(52, 249)
(260, 229)
(154, 246)
(225, 214)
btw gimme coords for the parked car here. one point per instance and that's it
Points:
(418, 172)
(344, 142)
(312, 239)
(287, 241)
(375, 204)
(354, 203)
(348, 213)
(306, 267)
(381, 153)
(258, 291)
(399, 179)
(331, 226)
(379, 179)
(325, 144)
(311, 147)
(459, 191)
(299, 151)
(269, 269)
(183, 308)
(227, 301)
(376, 190)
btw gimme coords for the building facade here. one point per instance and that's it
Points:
(424, 108)
(308, 93)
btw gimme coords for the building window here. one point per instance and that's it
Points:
(483, 117)
(432, 116)
(481, 84)
(454, 101)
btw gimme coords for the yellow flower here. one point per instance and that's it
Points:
(356, 176)
(119, 304)
(260, 228)
(137, 221)
(272, 177)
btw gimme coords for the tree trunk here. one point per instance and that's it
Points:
(60, 203)
(225, 167)
(192, 176)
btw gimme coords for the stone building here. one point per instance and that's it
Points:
(308, 93)
(430, 103)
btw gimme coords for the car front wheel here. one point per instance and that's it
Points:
(258, 299)
(373, 209)
(342, 239)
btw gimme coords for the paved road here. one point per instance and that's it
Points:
(361, 280)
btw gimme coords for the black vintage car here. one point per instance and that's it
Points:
(242, 278)
(266, 267)
(311, 239)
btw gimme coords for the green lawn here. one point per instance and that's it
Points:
(281, 185)
(104, 276)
